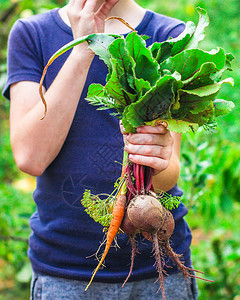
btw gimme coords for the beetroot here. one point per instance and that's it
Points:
(146, 213)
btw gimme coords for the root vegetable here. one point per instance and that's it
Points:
(146, 213)
(117, 217)
(156, 223)
(164, 233)
(127, 226)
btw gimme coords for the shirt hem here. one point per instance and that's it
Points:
(111, 278)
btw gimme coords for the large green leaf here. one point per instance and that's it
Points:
(201, 78)
(117, 50)
(218, 75)
(188, 62)
(155, 103)
(199, 33)
(171, 47)
(202, 117)
(188, 39)
(99, 44)
(197, 100)
(208, 90)
(145, 66)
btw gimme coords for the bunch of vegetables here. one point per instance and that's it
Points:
(171, 83)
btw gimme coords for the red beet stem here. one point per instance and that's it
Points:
(142, 175)
(130, 185)
(137, 177)
(148, 179)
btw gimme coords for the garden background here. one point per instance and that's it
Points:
(210, 172)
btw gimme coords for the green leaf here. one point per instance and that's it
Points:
(179, 126)
(198, 100)
(145, 66)
(139, 85)
(199, 33)
(218, 75)
(99, 44)
(188, 39)
(142, 86)
(114, 87)
(208, 89)
(98, 97)
(126, 122)
(222, 107)
(188, 62)
(202, 117)
(171, 47)
(201, 78)
(155, 103)
(145, 37)
(118, 52)
(95, 89)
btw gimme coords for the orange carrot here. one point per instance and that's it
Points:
(117, 217)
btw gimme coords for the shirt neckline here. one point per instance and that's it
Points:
(139, 28)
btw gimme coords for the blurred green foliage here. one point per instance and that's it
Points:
(210, 172)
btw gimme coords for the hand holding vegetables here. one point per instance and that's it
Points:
(150, 146)
(159, 150)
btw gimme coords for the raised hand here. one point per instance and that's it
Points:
(87, 16)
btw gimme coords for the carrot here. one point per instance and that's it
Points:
(117, 217)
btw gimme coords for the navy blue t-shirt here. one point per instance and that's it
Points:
(64, 238)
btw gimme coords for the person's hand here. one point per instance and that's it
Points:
(86, 17)
(150, 146)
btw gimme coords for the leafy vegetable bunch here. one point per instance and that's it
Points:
(172, 81)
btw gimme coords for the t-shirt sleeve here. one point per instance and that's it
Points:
(176, 31)
(24, 60)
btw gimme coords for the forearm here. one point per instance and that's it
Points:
(167, 179)
(37, 142)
